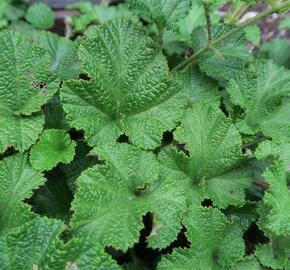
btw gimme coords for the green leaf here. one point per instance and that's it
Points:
(36, 245)
(276, 202)
(216, 243)
(26, 84)
(54, 115)
(284, 24)
(253, 34)
(81, 162)
(198, 87)
(85, 254)
(275, 254)
(225, 59)
(53, 199)
(278, 50)
(54, 146)
(32, 246)
(262, 92)
(214, 165)
(112, 199)
(129, 91)
(17, 180)
(248, 263)
(40, 15)
(63, 53)
(166, 13)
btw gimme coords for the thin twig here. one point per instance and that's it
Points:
(277, 8)
(206, 7)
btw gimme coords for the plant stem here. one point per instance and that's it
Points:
(206, 7)
(277, 8)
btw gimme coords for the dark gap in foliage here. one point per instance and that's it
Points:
(207, 203)
(254, 236)
(84, 76)
(140, 256)
(76, 134)
(9, 152)
(180, 242)
(182, 148)
(54, 198)
(167, 138)
(123, 138)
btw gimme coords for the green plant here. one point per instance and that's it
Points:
(119, 152)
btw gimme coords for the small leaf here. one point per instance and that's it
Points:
(54, 146)
(40, 15)
(17, 180)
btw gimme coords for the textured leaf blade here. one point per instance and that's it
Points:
(17, 180)
(125, 90)
(262, 92)
(214, 167)
(212, 245)
(124, 190)
(54, 146)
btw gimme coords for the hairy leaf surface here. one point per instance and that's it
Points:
(263, 91)
(25, 85)
(17, 181)
(213, 168)
(54, 146)
(225, 59)
(216, 243)
(166, 13)
(112, 199)
(129, 91)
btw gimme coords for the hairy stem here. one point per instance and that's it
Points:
(277, 8)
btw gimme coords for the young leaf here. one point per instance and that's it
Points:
(17, 180)
(216, 243)
(25, 85)
(277, 201)
(40, 15)
(225, 59)
(112, 199)
(54, 146)
(129, 91)
(166, 13)
(214, 168)
(262, 91)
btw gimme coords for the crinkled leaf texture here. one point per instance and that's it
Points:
(263, 92)
(40, 15)
(26, 83)
(275, 254)
(63, 53)
(277, 201)
(198, 87)
(227, 58)
(130, 89)
(112, 199)
(36, 245)
(17, 180)
(213, 167)
(216, 243)
(166, 13)
(54, 146)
